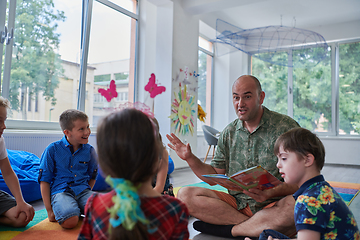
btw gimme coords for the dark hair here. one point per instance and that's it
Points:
(128, 148)
(302, 142)
(68, 117)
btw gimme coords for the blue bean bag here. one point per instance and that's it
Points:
(100, 184)
(26, 167)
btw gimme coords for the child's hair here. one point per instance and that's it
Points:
(4, 102)
(68, 117)
(302, 142)
(128, 148)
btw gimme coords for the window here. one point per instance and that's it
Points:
(308, 94)
(273, 82)
(204, 80)
(349, 89)
(45, 64)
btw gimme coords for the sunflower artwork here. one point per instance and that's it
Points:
(183, 112)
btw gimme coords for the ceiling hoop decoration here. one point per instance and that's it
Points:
(271, 42)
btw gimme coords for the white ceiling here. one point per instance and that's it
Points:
(247, 14)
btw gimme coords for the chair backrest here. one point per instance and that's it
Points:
(210, 135)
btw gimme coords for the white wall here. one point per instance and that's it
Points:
(228, 67)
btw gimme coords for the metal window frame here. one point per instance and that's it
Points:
(335, 88)
(85, 36)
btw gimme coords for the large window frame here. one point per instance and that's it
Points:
(210, 52)
(87, 6)
(335, 88)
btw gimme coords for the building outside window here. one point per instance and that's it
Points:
(42, 65)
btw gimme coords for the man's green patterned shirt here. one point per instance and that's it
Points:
(239, 149)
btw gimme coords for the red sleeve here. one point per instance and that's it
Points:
(86, 227)
(181, 231)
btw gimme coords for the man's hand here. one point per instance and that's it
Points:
(182, 150)
(51, 216)
(257, 194)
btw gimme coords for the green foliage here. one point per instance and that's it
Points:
(349, 84)
(312, 89)
(35, 65)
(102, 78)
(121, 76)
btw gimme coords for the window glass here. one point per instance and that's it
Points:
(205, 44)
(313, 93)
(112, 58)
(204, 87)
(44, 67)
(129, 5)
(274, 82)
(349, 87)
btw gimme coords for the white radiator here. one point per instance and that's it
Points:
(35, 142)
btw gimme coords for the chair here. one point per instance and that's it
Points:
(211, 137)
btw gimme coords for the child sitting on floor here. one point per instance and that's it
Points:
(161, 182)
(319, 211)
(128, 150)
(14, 212)
(68, 169)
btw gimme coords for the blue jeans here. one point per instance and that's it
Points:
(66, 205)
(268, 232)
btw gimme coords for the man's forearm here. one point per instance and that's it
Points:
(283, 189)
(200, 168)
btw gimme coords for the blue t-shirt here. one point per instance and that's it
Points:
(65, 169)
(320, 208)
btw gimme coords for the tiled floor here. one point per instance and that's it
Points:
(338, 173)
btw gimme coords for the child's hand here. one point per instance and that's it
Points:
(27, 209)
(51, 216)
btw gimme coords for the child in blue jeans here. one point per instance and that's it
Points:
(68, 169)
(319, 211)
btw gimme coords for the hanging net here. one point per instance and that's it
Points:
(268, 43)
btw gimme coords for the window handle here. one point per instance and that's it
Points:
(3, 35)
(6, 36)
(10, 36)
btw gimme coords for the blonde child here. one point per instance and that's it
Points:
(319, 211)
(14, 212)
(128, 149)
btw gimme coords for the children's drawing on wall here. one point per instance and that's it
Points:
(183, 112)
(187, 77)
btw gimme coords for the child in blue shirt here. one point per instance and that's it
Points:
(68, 169)
(319, 211)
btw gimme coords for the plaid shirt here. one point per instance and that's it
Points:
(169, 214)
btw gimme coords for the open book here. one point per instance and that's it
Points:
(254, 177)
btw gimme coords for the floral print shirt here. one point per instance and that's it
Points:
(239, 149)
(320, 208)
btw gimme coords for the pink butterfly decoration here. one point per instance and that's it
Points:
(153, 88)
(109, 93)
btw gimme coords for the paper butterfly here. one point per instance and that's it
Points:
(196, 74)
(109, 93)
(153, 88)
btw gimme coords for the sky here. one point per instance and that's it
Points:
(109, 33)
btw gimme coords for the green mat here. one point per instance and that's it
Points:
(39, 216)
